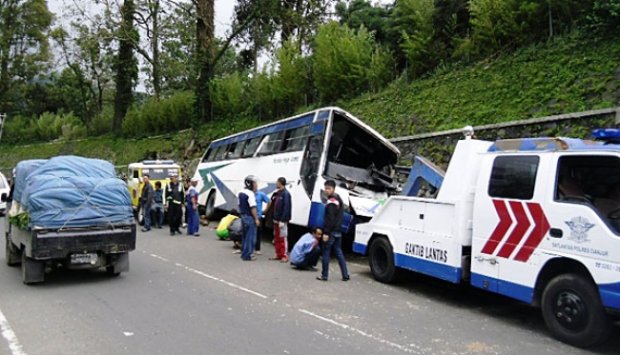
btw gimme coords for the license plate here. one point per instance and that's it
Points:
(89, 258)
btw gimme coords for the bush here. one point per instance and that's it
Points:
(101, 123)
(160, 116)
(227, 94)
(341, 61)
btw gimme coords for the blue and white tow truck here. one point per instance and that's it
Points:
(535, 219)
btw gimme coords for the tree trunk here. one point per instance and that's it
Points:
(155, 49)
(126, 66)
(205, 40)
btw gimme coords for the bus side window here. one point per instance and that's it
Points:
(310, 164)
(272, 143)
(250, 146)
(221, 153)
(209, 155)
(235, 152)
(296, 139)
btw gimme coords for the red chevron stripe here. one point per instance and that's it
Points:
(541, 227)
(500, 230)
(523, 223)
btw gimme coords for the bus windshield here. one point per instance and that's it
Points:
(357, 157)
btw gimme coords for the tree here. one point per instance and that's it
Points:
(126, 65)
(24, 48)
(342, 61)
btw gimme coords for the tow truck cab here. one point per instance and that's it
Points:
(537, 220)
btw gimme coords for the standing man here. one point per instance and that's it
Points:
(146, 200)
(192, 209)
(332, 237)
(157, 209)
(305, 253)
(281, 216)
(261, 198)
(174, 203)
(249, 217)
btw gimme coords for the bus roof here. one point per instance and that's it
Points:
(298, 121)
(550, 145)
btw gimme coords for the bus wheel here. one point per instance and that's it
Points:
(573, 311)
(381, 260)
(210, 206)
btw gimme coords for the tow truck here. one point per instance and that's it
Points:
(533, 219)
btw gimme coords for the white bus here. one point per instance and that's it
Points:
(307, 149)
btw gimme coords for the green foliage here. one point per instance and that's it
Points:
(227, 94)
(45, 128)
(605, 15)
(160, 116)
(342, 61)
(20, 221)
(570, 74)
(417, 31)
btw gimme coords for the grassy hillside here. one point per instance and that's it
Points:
(566, 75)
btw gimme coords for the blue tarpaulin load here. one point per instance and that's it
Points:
(70, 191)
(22, 171)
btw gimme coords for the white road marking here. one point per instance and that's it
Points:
(258, 294)
(203, 274)
(360, 332)
(9, 335)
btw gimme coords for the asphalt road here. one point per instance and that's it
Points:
(187, 295)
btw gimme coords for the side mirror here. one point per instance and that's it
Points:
(4, 197)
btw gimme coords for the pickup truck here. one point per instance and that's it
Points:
(68, 211)
(534, 219)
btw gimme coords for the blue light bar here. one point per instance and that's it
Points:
(610, 135)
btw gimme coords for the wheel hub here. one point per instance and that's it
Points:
(570, 310)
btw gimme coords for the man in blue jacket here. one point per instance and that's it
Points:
(305, 253)
(281, 202)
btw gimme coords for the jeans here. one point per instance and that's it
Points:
(334, 242)
(192, 220)
(249, 237)
(158, 212)
(146, 214)
(309, 260)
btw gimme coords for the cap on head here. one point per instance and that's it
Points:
(194, 179)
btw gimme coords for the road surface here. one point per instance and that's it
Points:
(188, 295)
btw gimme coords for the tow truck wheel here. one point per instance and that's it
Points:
(11, 255)
(572, 310)
(33, 271)
(381, 260)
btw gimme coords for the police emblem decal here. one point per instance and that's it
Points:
(579, 227)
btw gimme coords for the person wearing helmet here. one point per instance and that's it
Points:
(249, 217)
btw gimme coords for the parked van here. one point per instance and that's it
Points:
(157, 170)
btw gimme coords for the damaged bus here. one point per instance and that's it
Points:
(307, 149)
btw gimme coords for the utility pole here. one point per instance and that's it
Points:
(2, 119)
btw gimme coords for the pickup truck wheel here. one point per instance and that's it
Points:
(381, 260)
(33, 271)
(11, 254)
(110, 270)
(573, 312)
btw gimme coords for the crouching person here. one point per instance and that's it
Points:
(305, 253)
